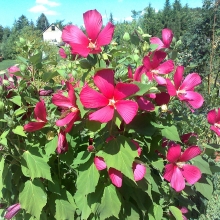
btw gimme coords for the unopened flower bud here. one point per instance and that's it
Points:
(91, 148)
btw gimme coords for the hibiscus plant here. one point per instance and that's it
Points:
(104, 142)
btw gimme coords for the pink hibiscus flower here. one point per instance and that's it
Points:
(154, 68)
(70, 112)
(213, 118)
(62, 145)
(82, 44)
(167, 37)
(177, 170)
(40, 115)
(110, 98)
(184, 89)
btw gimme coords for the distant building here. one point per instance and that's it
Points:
(52, 34)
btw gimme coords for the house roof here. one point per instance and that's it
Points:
(49, 27)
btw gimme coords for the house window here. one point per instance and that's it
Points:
(53, 28)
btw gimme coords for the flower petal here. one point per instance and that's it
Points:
(67, 119)
(162, 98)
(81, 49)
(170, 88)
(62, 145)
(191, 81)
(12, 211)
(103, 115)
(123, 90)
(159, 79)
(169, 169)
(130, 73)
(61, 101)
(174, 153)
(71, 93)
(115, 176)
(218, 116)
(40, 111)
(190, 153)
(178, 76)
(147, 63)
(167, 36)
(145, 104)
(215, 129)
(156, 40)
(138, 73)
(139, 171)
(99, 163)
(127, 109)
(93, 23)
(191, 173)
(104, 80)
(72, 34)
(211, 117)
(158, 57)
(166, 67)
(62, 53)
(34, 126)
(177, 181)
(106, 35)
(194, 99)
(90, 98)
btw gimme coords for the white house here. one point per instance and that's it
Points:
(52, 34)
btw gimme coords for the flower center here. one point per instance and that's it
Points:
(155, 71)
(92, 45)
(73, 109)
(181, 92)
(112, 103)
(180, 164)
(217, 125)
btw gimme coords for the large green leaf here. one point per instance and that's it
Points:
(2, 163)
(19, 130)
(37, 166)
(64, 210)
(202, 165)
(171, 133)
(51, 146)
(205, 187)
(158, 212)
(110, 203)
(16, 100)
(87, 174)
(120, 153)
(33, 197)
(176, 212)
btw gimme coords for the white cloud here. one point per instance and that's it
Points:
(128, 18)
(42, 9)
(48, 2)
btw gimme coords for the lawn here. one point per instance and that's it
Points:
(7, 63)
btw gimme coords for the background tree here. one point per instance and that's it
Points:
(60, 24)
(42, 22)
(111, 18)
(21, 22)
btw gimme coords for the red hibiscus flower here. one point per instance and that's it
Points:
(184, 89)
(177, 170)
(213, 118)
(70, 112)
(62, 145)
(82, 44)
(110, 98)
(12, 211)
(40, 115)
(167, 37)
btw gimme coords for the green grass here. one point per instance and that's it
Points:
(7, 63)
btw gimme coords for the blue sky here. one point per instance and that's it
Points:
(72, 10)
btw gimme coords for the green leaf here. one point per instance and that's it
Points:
(153, 47)
(2, 163)
(120, 153)
(205, 187)
(64, 210)
(85, 64)
(150, 217)
(37, 166)
(36, 58)
(171, 133)
(158, 212)
(33, 197)
(19, 130)
(16, 100)
(202, 165)
(176, 212)
(110, 203)
(19, 111)
(93, 125)
(143, 88)
(4, 134)
(46, 76)
(87, 174)
(50, 147)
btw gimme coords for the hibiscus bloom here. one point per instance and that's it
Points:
(12, 211)
(70, 112)
(167, 37)
(110, 98)
(184, 89)
(154, 68)
(40, 115)
(82, 44)
(213, 118)
(177, 170)
(62, 145)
